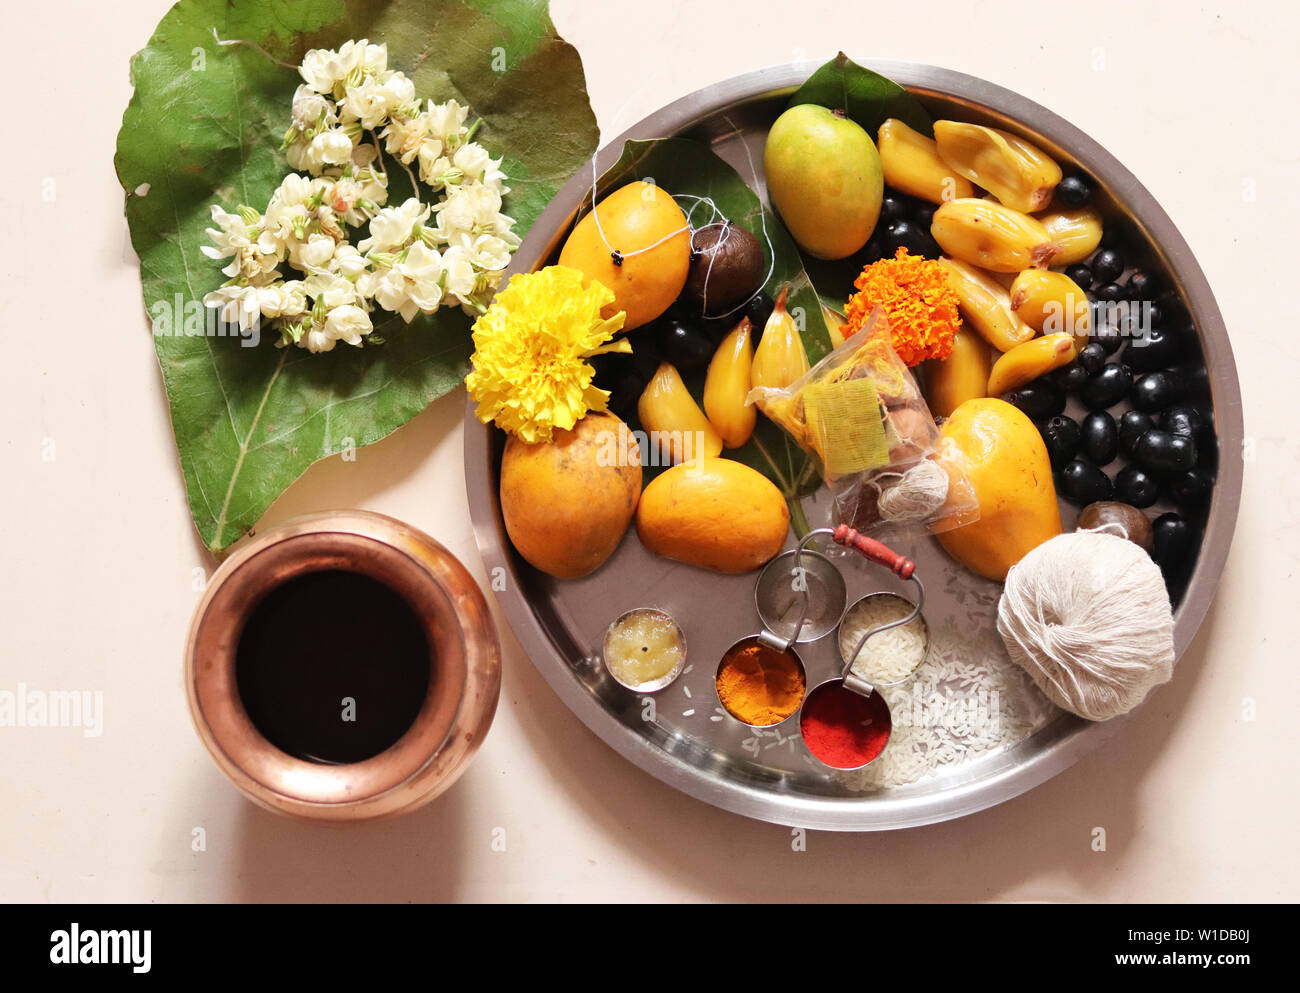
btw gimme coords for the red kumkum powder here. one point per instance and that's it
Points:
(844, 729)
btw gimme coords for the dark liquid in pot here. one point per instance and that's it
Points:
(333, 666)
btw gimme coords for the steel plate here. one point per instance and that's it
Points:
(685, 743)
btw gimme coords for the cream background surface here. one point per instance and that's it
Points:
(99, 552)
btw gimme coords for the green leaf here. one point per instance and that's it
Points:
(689, 169)
(865, 96)
(205, 125)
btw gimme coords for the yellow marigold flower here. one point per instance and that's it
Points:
(529, 374)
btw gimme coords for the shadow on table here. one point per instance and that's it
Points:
(986, 856)
(336, 483)
(413, 858)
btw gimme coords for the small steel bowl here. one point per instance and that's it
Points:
(925, 629)
(778, 601)
(827, 686)
(757, 639)
(653, 685)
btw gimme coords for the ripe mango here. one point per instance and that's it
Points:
(567, 502)
(713, 513)
(1006, 462)
(825, 180)
(645, 280)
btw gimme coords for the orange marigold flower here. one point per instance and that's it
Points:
(918, 303)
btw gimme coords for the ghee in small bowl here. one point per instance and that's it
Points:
(644, 650)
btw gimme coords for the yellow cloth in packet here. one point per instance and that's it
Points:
(845, 419)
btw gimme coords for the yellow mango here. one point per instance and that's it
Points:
(824, 179)
(567, 502)
(648, 231)
(1005, 460)
(716, 514)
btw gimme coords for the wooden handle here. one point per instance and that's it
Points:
(875, 551)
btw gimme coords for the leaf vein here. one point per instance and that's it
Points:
(243, 450)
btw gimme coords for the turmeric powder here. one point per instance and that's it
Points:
(758, 685)
(918, 303)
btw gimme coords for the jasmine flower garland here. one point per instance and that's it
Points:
(418, 256)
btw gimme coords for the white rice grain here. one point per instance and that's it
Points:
(889, 655)
(968, 702)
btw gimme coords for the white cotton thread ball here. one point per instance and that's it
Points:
(920, 491)
(1087, 616)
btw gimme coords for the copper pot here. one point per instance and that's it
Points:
(465, 676)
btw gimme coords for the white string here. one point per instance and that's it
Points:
(618, 256)
(255, 47)
(767, 238)
(1096, 637)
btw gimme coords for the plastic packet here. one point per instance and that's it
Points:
(859, 414)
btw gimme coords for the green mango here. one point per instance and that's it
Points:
(825, 180)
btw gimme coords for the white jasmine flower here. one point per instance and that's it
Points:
(348, 262)
(375, 98)
(343, 197)
(342, 193)
(332, 290)
(314, 253)
(332, 147)
(460, 277)
(323, 69)
(299, 159)
(328, 148)
(468, 209)
(229, 237)
(326, 70)
(311, 110)
(473, 161)
(436, 169)
(387, 287)
(347, 323)
(446, 121)
(318, 71)
(358, 197)
(236, 303)
(374, 58)
(410, 286)
(289, 213)
(294, 189)
(404, 136)
(423, 270)
(487, 252)
(287, 299)
(391, 227)
(253, 251)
